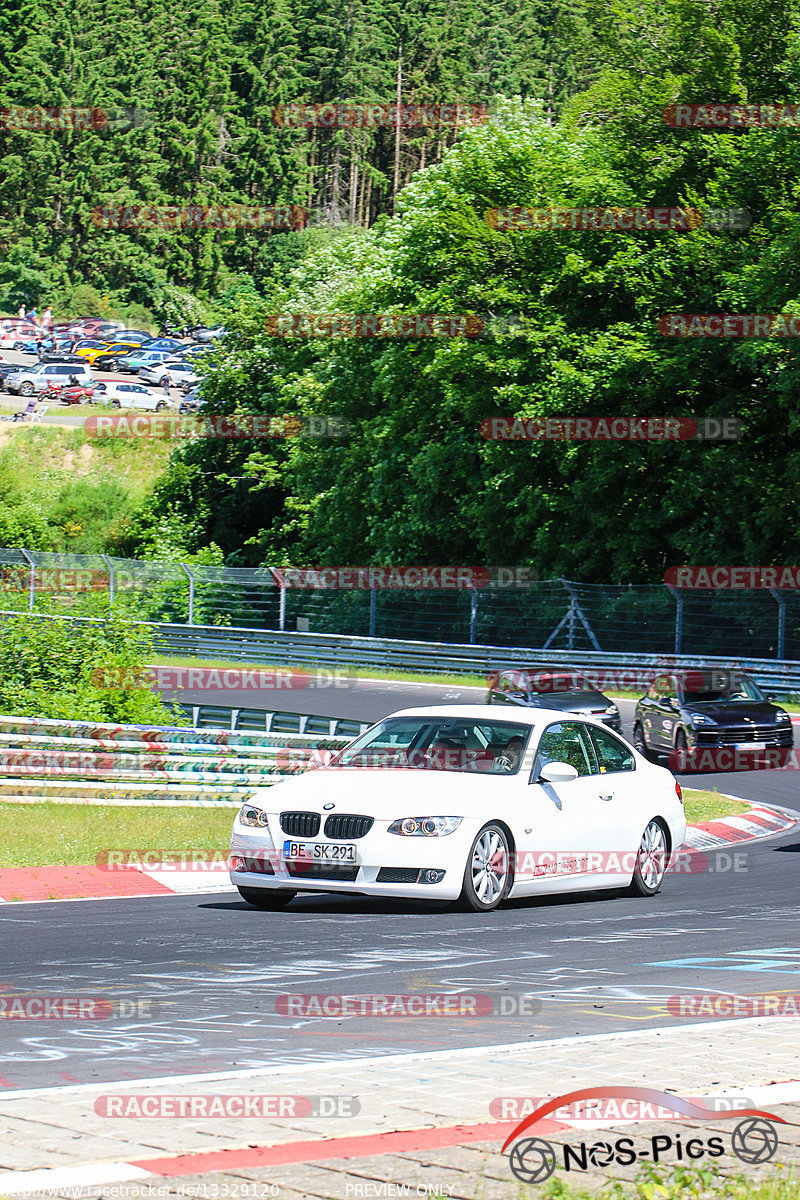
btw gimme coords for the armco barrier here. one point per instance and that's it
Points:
(256, 720)
(70, 761)
(271, 647)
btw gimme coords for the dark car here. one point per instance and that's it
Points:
(708, 709)
(537, 687)
(63, 357)
(5, 369)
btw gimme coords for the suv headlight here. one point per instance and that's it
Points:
(425, 826)
(256, 817)
(782, 716)
(702, 719)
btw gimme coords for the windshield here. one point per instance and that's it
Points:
(440, 744)
(741, 689)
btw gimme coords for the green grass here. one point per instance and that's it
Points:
(675, 1183)
(707, 806)
(38, 835)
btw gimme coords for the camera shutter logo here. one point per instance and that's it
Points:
(533, 1160)
(754, 1140)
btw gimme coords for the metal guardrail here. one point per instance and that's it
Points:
(277, 648)
(69, 761)
(258, 720)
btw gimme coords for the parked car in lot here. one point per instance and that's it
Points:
(708, 709)
(165, 343)
(196, 351)
(179, 372)
(80, 394)
(535, 687)
(7, 368)
(192, 401)
(107, 359)
(138, 336)
(24, 381)
(121, 394)
(13, 330)
(207, 333)
(136, 359)
(457, 803)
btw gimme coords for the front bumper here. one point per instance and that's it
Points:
(387, 865)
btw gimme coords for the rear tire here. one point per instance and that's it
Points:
(266, 898)
(116, 404)
(161, 405)
(487, 874)
(651, 861)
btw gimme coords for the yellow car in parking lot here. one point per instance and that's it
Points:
(90, 350)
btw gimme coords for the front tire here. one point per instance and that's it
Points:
(25, 389)
(639, 742)
(651, 861)
(267, 898)
(487, 875)
(161, 405)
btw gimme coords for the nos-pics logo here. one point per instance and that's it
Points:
(533, 1159)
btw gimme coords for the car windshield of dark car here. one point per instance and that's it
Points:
(434, 743)
(744, 689)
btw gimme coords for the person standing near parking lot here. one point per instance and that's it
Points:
(40, 349)
(47, 320)
(167, 382)
(21, 313)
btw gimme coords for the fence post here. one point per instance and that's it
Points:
(110, 570)
(32, 585)
(373, 611)
(282, 605)
(190, 577)
(781, 603)
(678, 617)
(473, 614)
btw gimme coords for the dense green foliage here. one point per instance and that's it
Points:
(54, 669)
(415, 481)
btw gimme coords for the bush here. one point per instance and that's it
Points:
(59, 668)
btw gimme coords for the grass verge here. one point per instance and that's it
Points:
(74, 834)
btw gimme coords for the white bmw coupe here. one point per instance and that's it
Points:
(460, 803)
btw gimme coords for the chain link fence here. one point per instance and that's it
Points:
(557, 614)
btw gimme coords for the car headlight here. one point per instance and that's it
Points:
(425, 826)
(702, 719)
(248, 815)
(611, 712)
(782, 716)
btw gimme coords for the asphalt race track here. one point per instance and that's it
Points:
(207, 971)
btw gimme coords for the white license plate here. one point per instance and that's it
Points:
(751, 745)
(319, 852)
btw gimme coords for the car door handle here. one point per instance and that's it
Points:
(610, 796)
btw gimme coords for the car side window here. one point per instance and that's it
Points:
(566, 742)
(612, 754)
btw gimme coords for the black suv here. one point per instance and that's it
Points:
(536, 687)
(708, 709)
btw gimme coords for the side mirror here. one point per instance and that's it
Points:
(557, 772)
(770, 696)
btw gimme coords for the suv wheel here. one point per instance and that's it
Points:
(26, 389)
(639, 742)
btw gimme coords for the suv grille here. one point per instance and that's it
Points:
(772, 735)
(347, 826)
(300, 824)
